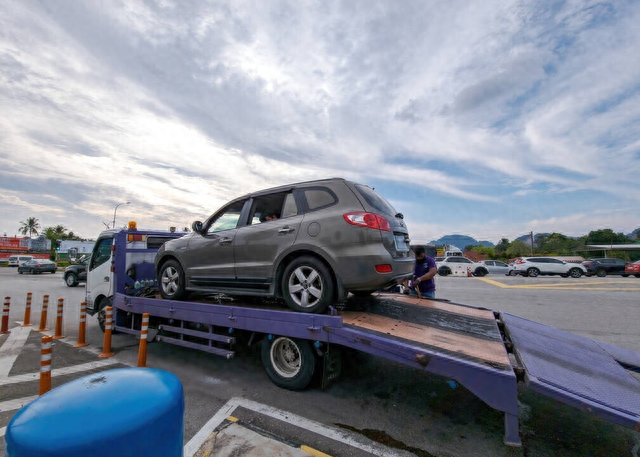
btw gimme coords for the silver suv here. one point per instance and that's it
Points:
(310, 243)
(535, 266)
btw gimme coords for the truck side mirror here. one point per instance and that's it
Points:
(196, 226)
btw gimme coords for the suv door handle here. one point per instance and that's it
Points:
(225, 240)
(285, 230)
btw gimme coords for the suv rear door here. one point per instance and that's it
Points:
(260, 242)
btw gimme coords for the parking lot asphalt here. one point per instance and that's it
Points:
(376, 407)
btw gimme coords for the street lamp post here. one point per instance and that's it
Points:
(115, 210)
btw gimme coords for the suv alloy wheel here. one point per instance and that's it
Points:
(307, 285)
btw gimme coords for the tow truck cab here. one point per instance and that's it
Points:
(139, 265)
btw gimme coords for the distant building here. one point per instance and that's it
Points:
(83, 247)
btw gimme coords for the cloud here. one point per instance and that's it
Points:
(179, 107)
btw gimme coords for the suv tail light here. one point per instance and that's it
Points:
(368, 220)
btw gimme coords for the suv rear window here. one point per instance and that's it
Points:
(376, 200)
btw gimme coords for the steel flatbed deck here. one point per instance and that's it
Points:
(485, 351)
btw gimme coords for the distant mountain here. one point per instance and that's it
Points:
(526, 239)
(460, 241)
(634, 235)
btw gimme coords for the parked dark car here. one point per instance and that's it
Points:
(310, 243)
(77, 273)
(37, 266)
(604, 267)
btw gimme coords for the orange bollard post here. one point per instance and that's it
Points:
(27, 311)
(45, 365)
(83, 326)
(59, 334)
(142, 349)
(106, 349)
(43, 315)
(4, 327)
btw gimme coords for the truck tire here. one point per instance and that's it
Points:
(71, 280)
(172, 284)
(307, 285)
(289, 362)
(102, 312)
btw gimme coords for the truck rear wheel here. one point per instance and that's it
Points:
(289, 362)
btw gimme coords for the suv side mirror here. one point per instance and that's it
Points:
(196, 226)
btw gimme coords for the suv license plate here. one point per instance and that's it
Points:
(401, 244)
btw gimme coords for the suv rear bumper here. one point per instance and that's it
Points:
(356, 267)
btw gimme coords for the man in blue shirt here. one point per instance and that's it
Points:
(423, 274)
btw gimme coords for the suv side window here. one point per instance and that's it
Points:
(265, 207)
(319, 198)
(101, 252)
(226, 219)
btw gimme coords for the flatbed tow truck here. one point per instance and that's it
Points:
(486, 351)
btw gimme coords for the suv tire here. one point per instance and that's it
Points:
(601, 272)
(575, 273)
(171, 280)
(307, 285)
(533, 272)
(444, 271)
(480, 272)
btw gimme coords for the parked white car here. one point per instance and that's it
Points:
(536, 266)
(446, 265)
(19, 260)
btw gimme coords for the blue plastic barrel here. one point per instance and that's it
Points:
(121, 412)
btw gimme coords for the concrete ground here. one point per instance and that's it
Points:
(376, 407)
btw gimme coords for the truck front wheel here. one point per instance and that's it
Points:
(289, 362)
(102, 312)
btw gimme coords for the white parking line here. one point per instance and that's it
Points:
(11, 348)
(316, 427)
(12, 405)
(59, 371)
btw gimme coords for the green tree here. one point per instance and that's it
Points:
(502, 246)
(557, 244)
(605, 236)
(517, 249)
(487, 251)
(31, 225)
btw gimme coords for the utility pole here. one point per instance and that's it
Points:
(531, 234)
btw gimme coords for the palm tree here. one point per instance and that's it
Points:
(31, 225)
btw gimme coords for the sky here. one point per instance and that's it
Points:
(490, 119)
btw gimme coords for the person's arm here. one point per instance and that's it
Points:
(425, 277)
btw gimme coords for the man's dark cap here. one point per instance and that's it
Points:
(419, 250)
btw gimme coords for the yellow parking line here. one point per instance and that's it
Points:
(312, 451)
(560, 286)
(495, 283)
